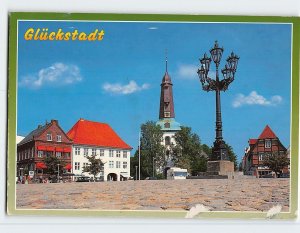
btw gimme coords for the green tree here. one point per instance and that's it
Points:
(54, 164)
(152, 151)
(276, 162)
(94, 167)
(188, 152)
(232, 156)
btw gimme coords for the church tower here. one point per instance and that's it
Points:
(167, 114)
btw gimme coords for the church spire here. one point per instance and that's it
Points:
(166, 109)
(166, 61)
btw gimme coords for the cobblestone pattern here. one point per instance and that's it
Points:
(220, 195)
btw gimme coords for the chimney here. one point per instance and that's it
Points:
(54, 121)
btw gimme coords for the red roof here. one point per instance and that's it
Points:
(252, 141)
(267, 133)
(86, 132)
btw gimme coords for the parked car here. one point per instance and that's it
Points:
(83, 179)
(284, 175)
(151, 178)
(267, 176)
(97, 179)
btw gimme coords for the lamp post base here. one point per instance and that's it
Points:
(219, 151)
(220, 167)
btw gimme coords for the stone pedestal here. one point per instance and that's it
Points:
(220, 167)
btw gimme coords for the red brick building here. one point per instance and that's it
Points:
(266, 144)
(46, 140)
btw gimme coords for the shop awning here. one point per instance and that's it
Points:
(50, 148)
(45, 148)
(41, 148)
(40, 165)
(67, 149)
(68, 166)
(59, 149)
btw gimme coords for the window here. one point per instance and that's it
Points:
(40, 154)
(86, 151)
(111, 153)
(261, 156)
(58, 138)
(77, 166)
(48, 153)
(167, 140)
(268, 143)
(85, 165)
(124, 165)
(77, 151)
(125, 154)
(118, 155)
(111, 164)
(101, 152)
(118, 164)
(167, 114)
(49, 137)
(58, 154)
(93, 151)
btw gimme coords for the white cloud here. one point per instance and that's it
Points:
(58, 74)
(188, 71)
(255, 99)
(126, 89)
(153, 28)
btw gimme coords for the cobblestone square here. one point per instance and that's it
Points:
(218, 194)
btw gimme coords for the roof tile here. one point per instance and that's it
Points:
(267, 133)
(87, 132)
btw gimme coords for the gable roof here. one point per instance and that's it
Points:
(87, 132)
(34, 133)
(267, 133)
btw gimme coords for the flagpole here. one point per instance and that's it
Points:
(139, 155)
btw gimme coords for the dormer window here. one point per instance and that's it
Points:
(268, 143)
(49, 137)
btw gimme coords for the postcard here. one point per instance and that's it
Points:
(161, 116)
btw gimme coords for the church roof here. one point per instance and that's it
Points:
(169, 124)
(91, 133)
(267, 133)
(166, 78)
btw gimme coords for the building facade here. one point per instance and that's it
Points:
(167, 121)
(99, 139)
(45, 141)
(266, 144)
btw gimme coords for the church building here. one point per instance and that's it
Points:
(167, 121)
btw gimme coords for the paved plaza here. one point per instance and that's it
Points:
(219, 194)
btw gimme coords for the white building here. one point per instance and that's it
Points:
(95, 138)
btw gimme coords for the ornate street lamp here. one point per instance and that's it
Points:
(217, 85)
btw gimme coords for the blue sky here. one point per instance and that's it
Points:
(117, 80)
